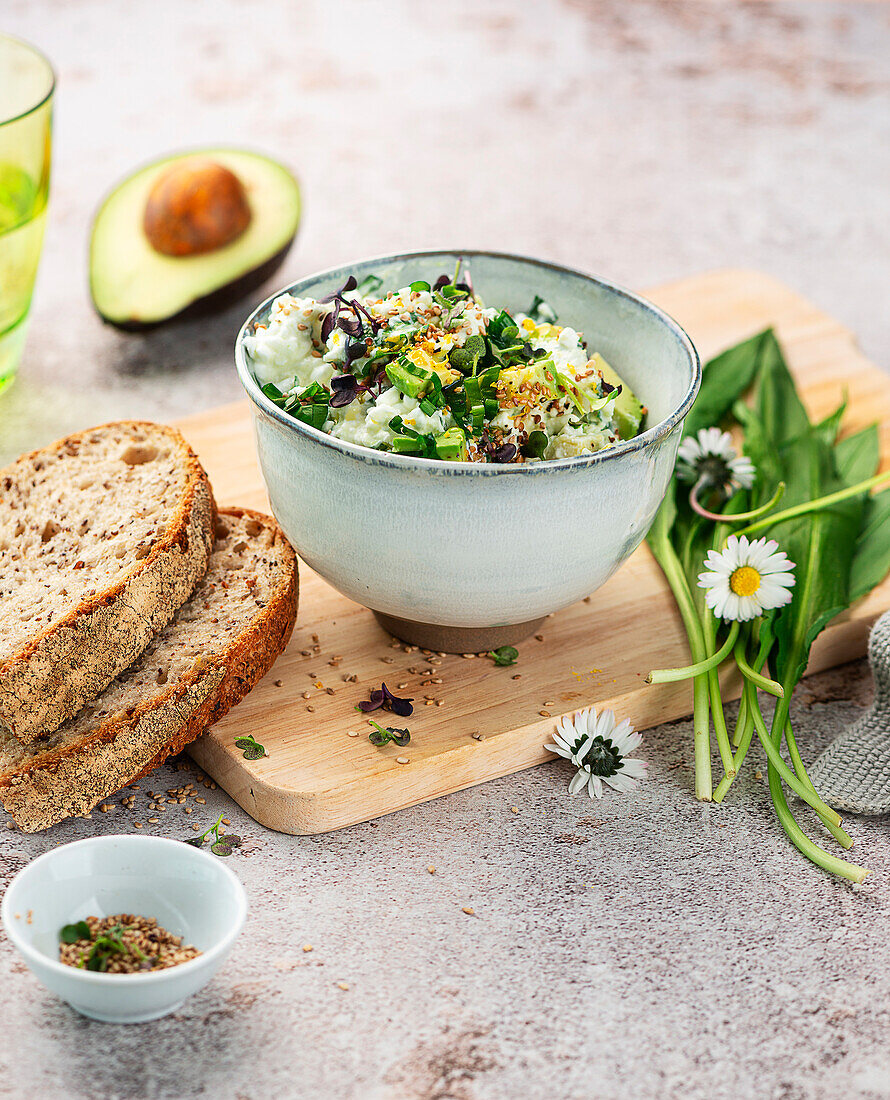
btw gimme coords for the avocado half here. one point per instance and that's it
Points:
(628, 412)
(135, 285)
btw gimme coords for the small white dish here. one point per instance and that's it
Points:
(192, 894)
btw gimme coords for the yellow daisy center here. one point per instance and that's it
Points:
(745, 580)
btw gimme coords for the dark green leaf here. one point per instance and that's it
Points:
(857, 455)
(504, 655)
(197, 841)
(777, 403)
(821, 544)
(420, 285)
(871, 559)
(71, 933)
(724, 380)
(221, 847)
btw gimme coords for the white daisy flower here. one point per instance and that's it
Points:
(710, 459)
(746, 578)
(598, 746)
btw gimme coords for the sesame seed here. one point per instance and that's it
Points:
(539, 637)
(514, 809)
(544, 713)
(343, 985)
(352, 733)
(307, 947)
(226, 821)
(469, 910)
(402, 760)
(311, 708)
(431, 868)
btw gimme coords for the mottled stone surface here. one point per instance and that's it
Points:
(647, 947)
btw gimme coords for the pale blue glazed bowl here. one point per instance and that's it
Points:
(463, 556)
(192, 894)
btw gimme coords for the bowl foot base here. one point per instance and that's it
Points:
(125, 1017)
(457, 639)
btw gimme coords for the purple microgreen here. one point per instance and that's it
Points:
(350, 284)
(355, 350)
(344, 390)
(352, 326)
(327, 325)
(373, 703)
(504, 453)
(383, 697)
(443, 280)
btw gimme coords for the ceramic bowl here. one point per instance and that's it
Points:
(463, 556)
(191, 893)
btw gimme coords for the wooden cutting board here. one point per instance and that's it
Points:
(483, 721)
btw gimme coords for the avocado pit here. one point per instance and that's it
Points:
(196, 206)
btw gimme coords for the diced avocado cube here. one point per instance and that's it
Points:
(452, 445)
(405, 444)
(413, 383)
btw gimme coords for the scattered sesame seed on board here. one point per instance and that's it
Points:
(545, 713)
(431, 868)
(539, 637)
(469, 910)
(517, 676)
(402, 760)
(352, 733)
(307, 947)
(226, 821)
(343, 985)
(514, 809)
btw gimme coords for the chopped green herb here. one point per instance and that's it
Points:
(253, 750)
(420, 285)
(380, 736)
(71, 933)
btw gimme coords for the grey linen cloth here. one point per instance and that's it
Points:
(853, 774)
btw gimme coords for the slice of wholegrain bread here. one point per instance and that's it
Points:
(103, 535)
(220, 642)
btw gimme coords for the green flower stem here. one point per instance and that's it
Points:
(775, 759)
(709, 631)
(701, 724)
(763, 682)
(840, 835)
(701, 734)
(817, 505)
(735, 517)
(796, 835)
(745, 732)
(670, 675)
(742, 720)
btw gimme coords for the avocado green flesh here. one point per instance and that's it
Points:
(133, 286)
(627, 411)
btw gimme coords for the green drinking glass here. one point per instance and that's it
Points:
(26, 93)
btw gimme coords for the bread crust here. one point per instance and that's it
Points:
(73, 659)
(65, 782)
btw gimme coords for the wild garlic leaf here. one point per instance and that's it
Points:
(777, 402)
(821, 543)
(724, 379)
(871, 559)
(857, 456)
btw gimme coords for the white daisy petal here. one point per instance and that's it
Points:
(593, 740)
(578, 780)
(636, 769)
